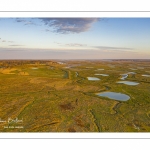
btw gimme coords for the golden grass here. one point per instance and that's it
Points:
(54, 99)
(23, 73)
(8, 70)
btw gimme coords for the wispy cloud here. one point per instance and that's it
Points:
(29, 23)
(102, 48)
(113, 48)
(75, 45)
(27, 53)
(7, 41)
(11, 41)
(20, 20)
(47, 30)
(69, 25)
(57, 42)
(25, 21)
(71, 44)
(15, 45)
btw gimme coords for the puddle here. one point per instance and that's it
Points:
(133, 69)
(77, 74)
(111, 66)
(140, 67)
(146, 75)
(124, 76)
(35, 68)
(89, 67)
(128, 82)
(100, 69)
(115, 96)
(102, 75)
(131, 73)
(93, 78)
(61, 63)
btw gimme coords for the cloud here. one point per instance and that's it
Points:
(20, 20)
(58, 43)
(25, 53)
(75, 45)
(47, 30)
(61, 25)
(25, 21)
(113, 48)
(11, 50)
(71, 44)
(7, 41)
(29, 23)
(15, 45)
(69, 25)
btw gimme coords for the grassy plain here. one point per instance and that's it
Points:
(52, 97)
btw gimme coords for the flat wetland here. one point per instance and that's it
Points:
(56, 96)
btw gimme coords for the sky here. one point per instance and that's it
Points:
(74, 38)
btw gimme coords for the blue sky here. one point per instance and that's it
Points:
(74, 38)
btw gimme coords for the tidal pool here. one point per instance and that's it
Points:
(146, 75)
(128, 82)
(102, 74)
(77, 74)
(131, 73)
(93, 78)
(140, 67)
(34, 68)
(115, 96)
(61, 63)
(124, 76)
(111, 66)
(133, 69)
(100, 69)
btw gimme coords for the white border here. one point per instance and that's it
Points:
(74, 5)
(62, 135)
(75, 14)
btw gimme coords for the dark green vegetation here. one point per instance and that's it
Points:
(52, 97)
